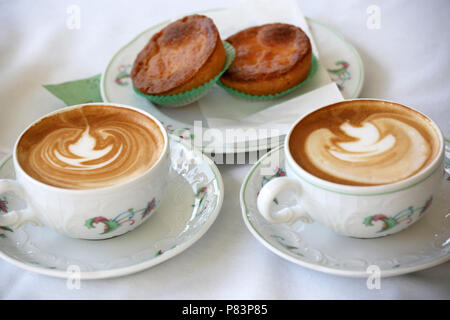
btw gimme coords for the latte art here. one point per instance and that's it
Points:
(90, 147)
(367, 146)
(84, 152)
(369, 159)
(364, 145)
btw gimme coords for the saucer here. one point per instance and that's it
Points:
(423, 245)
(196, 195)
(340, 59)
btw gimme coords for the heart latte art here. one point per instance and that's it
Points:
(88, 147)
(364, 143)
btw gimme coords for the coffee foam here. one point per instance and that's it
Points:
(364, 143)
(93, 146)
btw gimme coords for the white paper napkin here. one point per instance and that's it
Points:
(285, 114)
(250, 13)
(223, 111)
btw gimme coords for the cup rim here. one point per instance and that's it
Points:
(366, 190)
(102, 189)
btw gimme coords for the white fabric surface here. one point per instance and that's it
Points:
(406, 60)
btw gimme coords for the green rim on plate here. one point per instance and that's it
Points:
(312, 71)
(184, 98)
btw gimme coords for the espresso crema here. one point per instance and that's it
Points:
(364, 143)
(92, 146)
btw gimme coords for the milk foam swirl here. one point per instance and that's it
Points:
(84, 150)
(91, 150)
(368, 144)
(372, 157)
(363, 143)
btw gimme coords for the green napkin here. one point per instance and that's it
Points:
(78, 91)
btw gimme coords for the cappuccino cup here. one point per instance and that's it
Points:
(90, 171)
(362, 168)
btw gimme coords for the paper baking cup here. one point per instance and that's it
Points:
(312, 70)
(184, 98)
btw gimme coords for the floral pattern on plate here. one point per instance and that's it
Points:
(332, 47)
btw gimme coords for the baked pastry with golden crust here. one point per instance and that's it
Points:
(269, 59)
(182, 56)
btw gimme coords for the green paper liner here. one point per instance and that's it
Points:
(312, 71)
(184, 98)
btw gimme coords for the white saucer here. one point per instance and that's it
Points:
(423, 245)
(196, 195)
(338, 56)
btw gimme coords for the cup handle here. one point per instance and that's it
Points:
(286, 215)
(16, 218)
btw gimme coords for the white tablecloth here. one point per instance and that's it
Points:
(406, 60)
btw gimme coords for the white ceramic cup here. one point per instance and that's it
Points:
(91, 213)
(355, 211)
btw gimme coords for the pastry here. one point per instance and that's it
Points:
(269, 59)
(182, 56)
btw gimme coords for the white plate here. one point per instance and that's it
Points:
(339, 57)
(423, 245)
(196, 193)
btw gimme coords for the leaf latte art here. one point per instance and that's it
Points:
(90, 147)
(364, 143)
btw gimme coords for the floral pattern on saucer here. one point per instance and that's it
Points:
(4, 209)
(196, 195)
(313, 246)
(279, 172)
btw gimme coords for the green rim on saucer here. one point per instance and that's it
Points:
(184, 98)
(312, 71)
